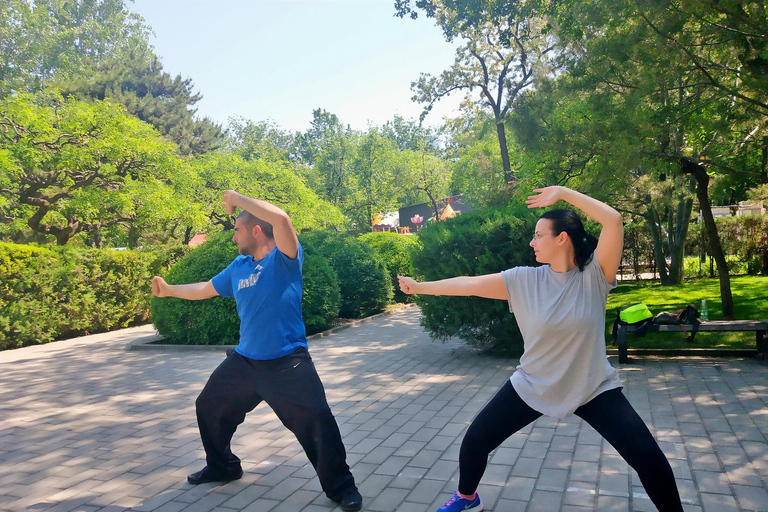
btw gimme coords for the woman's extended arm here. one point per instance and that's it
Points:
(611, 240)
(489, 286)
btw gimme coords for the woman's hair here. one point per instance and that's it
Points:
(584, 244)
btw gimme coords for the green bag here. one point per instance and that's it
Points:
(634, 313)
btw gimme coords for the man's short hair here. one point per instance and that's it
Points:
(251, 220)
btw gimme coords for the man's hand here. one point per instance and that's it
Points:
(159, 287)
(230, 198)
(407, 285)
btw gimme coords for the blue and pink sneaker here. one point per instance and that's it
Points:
(460, 504)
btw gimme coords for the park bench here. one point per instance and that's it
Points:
(759, 327)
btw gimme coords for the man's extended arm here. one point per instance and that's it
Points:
(194, 291)
(285, 236)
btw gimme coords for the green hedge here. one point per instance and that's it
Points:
(321, 296)
(339, 272)
(481, 242)
(363, 280)
(50, 293)
(212, 321)
(395, 251)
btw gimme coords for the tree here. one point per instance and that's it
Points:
(70, 167)
(499, 61)
(47, 38)
(408, 134)
(271, 181)
(372, 180)
(261, 140)
(137, 81)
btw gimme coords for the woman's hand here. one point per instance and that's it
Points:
(407, 285)
(547, 196)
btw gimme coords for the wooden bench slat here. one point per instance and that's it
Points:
(714, 326)
(759, 327)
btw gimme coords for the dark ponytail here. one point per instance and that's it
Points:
(584, 244)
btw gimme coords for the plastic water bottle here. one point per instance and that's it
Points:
(704, 311)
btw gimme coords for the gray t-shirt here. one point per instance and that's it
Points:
(562, 320)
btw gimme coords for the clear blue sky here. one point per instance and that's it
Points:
(281, 59)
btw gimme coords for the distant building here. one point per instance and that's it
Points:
(743, 208)
(425, 211)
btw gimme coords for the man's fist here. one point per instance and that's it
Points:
(229, 201)
(159, 287)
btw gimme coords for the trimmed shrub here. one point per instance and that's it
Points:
(57, 292)
(30, 297)
(480, 242)
(321, 298)
(212, 321)
(363, 279)
(395, 251)
(215, 321)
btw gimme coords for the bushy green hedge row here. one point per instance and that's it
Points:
(342, 277)
(481, 242)
(56, 292)
(395, 250)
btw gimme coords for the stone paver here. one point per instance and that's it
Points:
(87, 426)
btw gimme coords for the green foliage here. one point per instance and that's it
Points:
(363, 280)
(72, 167)
(321, 297)
(363, 289)
(50, 38)
(212, 321)
(478, 243)
(271, 181)
(137, 81)
(395, 250)
(696, 267)
(48, 294)
(29, 300)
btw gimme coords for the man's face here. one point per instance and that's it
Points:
(244, 238)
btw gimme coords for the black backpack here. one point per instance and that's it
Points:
(688, 316)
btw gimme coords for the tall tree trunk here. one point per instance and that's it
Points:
(658, 250)
(715, 248)
(502, 134)
(678, 231)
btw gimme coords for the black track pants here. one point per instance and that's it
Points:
(291, 387)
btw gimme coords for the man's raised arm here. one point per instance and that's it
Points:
(285, 236)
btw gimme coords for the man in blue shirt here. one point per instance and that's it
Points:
(271, 362)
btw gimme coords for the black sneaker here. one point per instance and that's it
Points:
(351, 500)
(205, 475)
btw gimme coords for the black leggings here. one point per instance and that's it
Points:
(609, 413)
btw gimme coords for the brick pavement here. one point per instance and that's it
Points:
(88, 426)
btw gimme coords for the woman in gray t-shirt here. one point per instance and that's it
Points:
(560, 308)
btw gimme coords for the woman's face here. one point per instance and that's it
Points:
(544, 242)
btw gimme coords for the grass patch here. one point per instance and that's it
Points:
(750, 297)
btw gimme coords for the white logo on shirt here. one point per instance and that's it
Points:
(252, 279)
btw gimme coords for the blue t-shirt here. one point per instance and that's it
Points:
(268, 296)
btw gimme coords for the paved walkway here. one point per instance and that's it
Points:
(88, 426)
